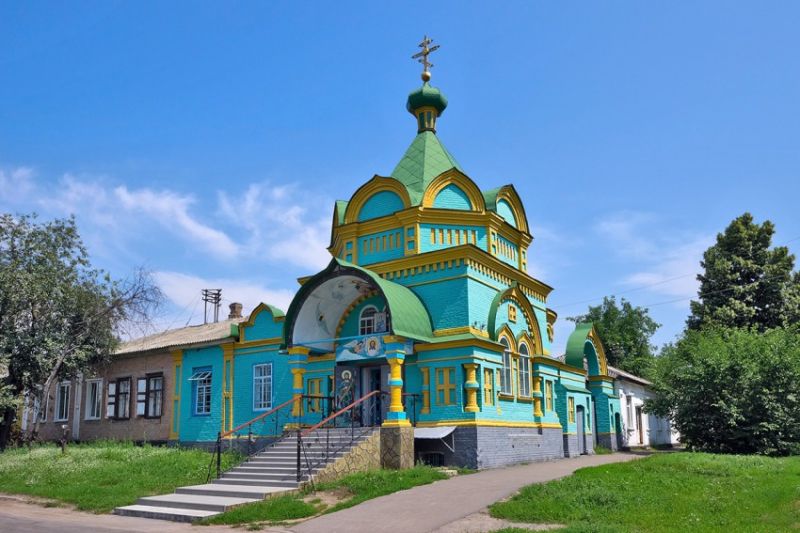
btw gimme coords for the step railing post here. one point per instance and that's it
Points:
(299, 476)
(219, 454)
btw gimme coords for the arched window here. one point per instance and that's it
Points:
(505, 372)
(524, 371)
(366, 322)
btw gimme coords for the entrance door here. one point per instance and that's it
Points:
(580, 418)
(639, 427)
(618, 430)
(373, 410)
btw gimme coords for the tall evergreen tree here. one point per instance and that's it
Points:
(625, 331)
(746, 283)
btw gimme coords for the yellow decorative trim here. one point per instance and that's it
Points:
(251, 320)
(258, 343)
(607, 379)
(514, 294)
(508, 194)
(426, 389)
(299, 350)
(321, 358)
(488, 423)
(349, 309)
(472, 393)
(369, 189)
(601, 352)
(402, 423)
(177, 366)
(446, 332)
(505, 333)
(557, 364)
(454, 177)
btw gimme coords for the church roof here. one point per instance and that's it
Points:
(425, 159)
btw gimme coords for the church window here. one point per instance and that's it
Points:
(202, 391)
(505, 373)
(571, 410)
(524, 371)
(445, 386)
(366, 322)
(488, 386)
(548, 395)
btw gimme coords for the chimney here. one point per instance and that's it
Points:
(236, 310)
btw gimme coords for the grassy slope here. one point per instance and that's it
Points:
(359, 487)
(100, 476)
(668, 492)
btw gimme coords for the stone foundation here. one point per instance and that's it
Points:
(397, 447)
(491, 447)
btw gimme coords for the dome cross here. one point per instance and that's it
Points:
(422, 56)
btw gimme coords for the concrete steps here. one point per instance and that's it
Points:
(265, 474)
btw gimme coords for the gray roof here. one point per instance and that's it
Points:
(617, 373)
(188, 336)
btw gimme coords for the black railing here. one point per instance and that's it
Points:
(268, 427)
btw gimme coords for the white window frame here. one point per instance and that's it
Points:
(366, 325)
(62, 404)
(259, 382)
(98, 404)
(507, 369)
(524, 371)
(202, 390)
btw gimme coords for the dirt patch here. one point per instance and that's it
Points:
(482, 522)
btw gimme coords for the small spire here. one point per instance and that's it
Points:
(422, 57)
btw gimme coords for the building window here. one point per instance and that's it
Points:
(262, 387)
(62, 402)
(149, 394)
(366, 322)
(571, 410)
(119, 395)
(445, 386)
(488, 386)
(201, 379)
(548, 395)
(524, 371)
(314, 387)
(512, 313)
(94, 399)
(505, 372)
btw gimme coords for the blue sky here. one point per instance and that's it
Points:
(207, 141)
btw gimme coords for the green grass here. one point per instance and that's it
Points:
(356, 488)
(367, 485)
(100, 476)
(273, 510)
(665, 493)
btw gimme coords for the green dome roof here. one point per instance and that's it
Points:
(426, 95)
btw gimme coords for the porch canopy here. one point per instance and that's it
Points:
(321, 302)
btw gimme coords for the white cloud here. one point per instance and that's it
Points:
(183, 290)
(16, 184)
(282, 223)
(623, 230)
(171, 210)
(675, 272)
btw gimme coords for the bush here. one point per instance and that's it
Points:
(732, 391)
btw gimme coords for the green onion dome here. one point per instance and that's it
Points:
(426, 103)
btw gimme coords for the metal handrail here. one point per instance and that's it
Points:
(340, 412)
(256, 419)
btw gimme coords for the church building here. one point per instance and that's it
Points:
(427, 308)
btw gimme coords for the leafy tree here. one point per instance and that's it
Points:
(58, 315)
(746, 283)
(626, 332)
(732, 391)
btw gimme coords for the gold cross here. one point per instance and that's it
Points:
(422, 56)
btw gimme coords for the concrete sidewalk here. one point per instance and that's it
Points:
(431, 507)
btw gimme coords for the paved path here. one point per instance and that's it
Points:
(18, 516)
(432, 507)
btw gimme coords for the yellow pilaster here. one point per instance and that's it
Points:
(471, 384)
(537, 397)
(227, 387)
(395, 355)
(298, 357)
(395, 373)
(177, 366)
(426, 390)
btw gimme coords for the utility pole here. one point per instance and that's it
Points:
(213, 297)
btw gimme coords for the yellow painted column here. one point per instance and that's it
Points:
(537, 397)
(298, 357)
(395, 355)
(471, 384)
(426, 389)
(175, 423)
(227, 387)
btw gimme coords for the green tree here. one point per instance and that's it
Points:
(746, 283)
(58, 315)
(625, 331)
(732, 390)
